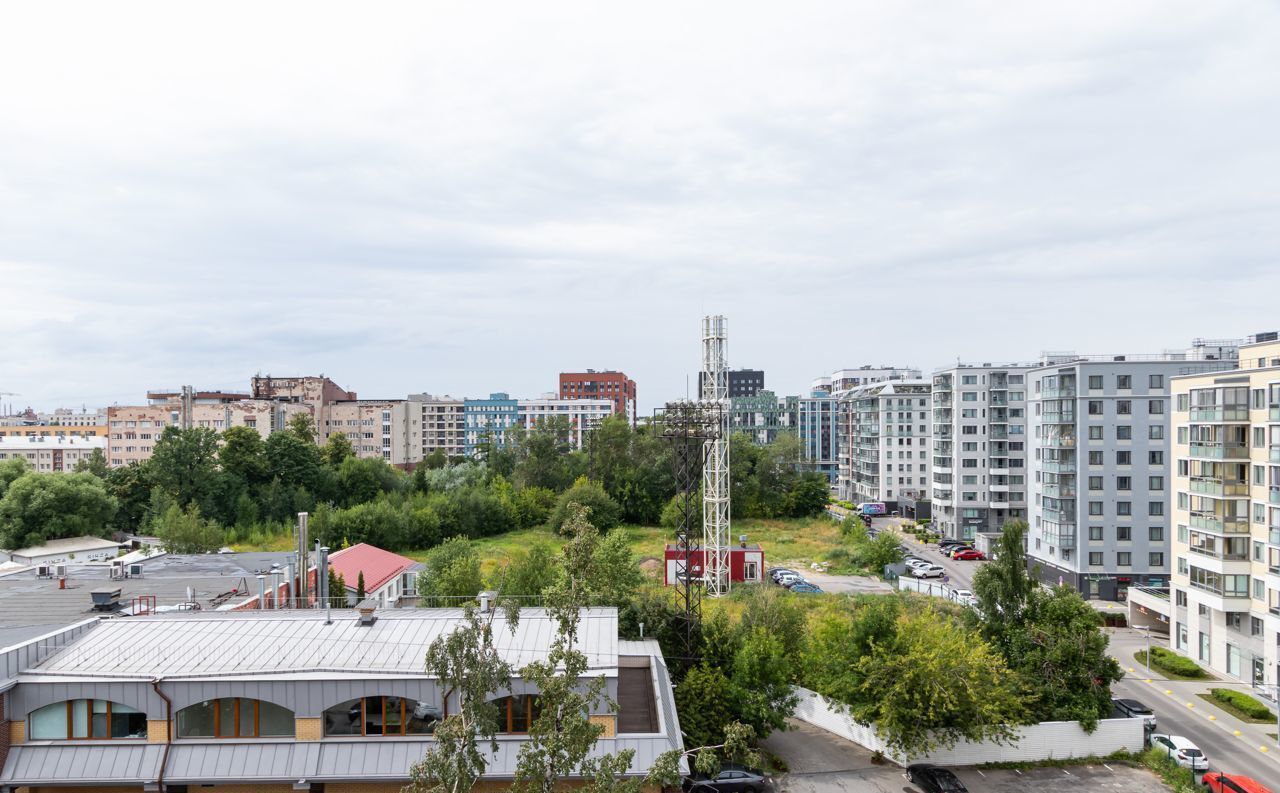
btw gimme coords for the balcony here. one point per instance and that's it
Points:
(1217, 487)
(1058, 417)
(1058, 466)
(1064, 392)
(1235, 524)
(1063, 514)
(999, 432)
(1274, 497)
(1059, 490)
(1220, 451)
(1275, 453)
(1062, 442)
(1221, 413)
(1273, 536)
(1064, 539)
(999, 401)
(1275, 413)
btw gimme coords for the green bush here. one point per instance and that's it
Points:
(1179, 779)
(1242, 702)
(1175, 664)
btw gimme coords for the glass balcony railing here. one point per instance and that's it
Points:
(1235, 524)
(1275, 453)
(1220, 451)
(999, 432)
(1221, 413)
(1063, 392)
(1275, 413)
(1273, 535)
(1059, 466)
(1217, 487)
(1064, 514)
(1060, 491)
(1061, 442)
(1275, 495)
(1058, 417)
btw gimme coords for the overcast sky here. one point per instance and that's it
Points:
(471, 197)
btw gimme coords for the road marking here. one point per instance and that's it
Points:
(1191, 704)
(1148, 681)
(1235, 732)
(1213, 718)
(1109, 768)
(1131, 669)
(979, 770)
(1262, 748)
(1169, 691)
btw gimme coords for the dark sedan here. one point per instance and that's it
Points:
(733, 778)
(934, 779)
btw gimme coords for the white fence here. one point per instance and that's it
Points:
(1045, 741)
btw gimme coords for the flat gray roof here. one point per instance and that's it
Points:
(291, 643)
(26, 600)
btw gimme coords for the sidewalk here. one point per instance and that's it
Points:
(1126, 641)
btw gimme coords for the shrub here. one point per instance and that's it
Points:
(1175, 664)
(604, 511)
(1242, 702)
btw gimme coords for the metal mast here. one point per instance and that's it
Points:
(715, 471)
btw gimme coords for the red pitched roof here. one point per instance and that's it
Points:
(378, 566)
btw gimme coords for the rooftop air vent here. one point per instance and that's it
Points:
(367, 608)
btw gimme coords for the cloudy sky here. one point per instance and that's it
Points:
(469, 197)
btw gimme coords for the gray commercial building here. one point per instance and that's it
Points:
(979, 447)
(1101, 467)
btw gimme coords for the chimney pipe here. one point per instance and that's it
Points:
(262, 591)
(275, 589)
(322, 584)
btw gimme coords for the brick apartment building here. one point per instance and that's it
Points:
(602, 385)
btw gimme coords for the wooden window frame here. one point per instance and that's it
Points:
(529, 716)
(89, 736)
(235, 718)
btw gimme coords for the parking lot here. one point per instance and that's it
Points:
(819, 762)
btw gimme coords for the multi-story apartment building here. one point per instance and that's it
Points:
(979, 447)
(50, 454)
(742, 382)
(134, 430)
(486, 421)
(842, 381)
(583, 415)
(387, 428)
(615, 386)
(762, 416)
(1100, 472)
(288, 699)
(62, 422)
(817, 418)
(888, 442)
(443, 424)
(316, 392)
(1226, 516)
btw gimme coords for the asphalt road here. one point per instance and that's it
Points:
(1215, 737)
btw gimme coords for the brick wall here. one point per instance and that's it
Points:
(308, 729)
(4, 729)
(157, 731)
(17, 732)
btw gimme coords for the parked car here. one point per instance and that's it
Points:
(963, 596)
(946, 542)
(1182, 750)
(952, 550)
(934, 779)
(732, 778)
(929, 571)
(913, 563)
(968, 555)
(1218, 782)
(806, 588)
(777, 572)
(1132, 708)
(787, 579)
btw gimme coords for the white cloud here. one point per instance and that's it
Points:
(472, 197)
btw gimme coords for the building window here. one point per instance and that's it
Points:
(1155, 509)
(516, 713)
(1124, 559)
(86, 719)
(234, 717)
(1155, 560)
(1095, 558)
(1124, 381)
(1124, 458)
(1155, 483)
(1095, 407)
(1095, 533)
(1155, 458)
(1124, 483)
(1155, 381)
(1155, 407)
(1124, 508)
(1124, 432)
(1123, 407)
(1095, 382)
(376, 716)
(1204, 647)
(1124, 533)
(1095, 458)
(1095, 432)
(1155, 533)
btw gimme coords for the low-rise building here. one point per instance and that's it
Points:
(389, 578)
(289, 700)
(67, 550)
(62, 422)
(746, 563)
(51, 453)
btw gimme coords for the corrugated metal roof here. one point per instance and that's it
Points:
(243, 762)
(108, 763)
(291, 642)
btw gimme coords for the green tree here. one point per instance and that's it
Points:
(243, 456)
(541, 454)
(934, 684)
(131, 486)
(96, 464)
(777, 614)
(879, 552)
(527, 573)
(360, 591)
(605, 513)
(808, 496)
(303, 427)
(186, 531)
(363, 480)
(467, 663)
(532, 506)
(762, 680)
(11, 470)
(704, 702)
(451, 574)
(336, 450)
(337, 590)
(184, 463)
(38, 507)
(1002, 585)
(292, 462)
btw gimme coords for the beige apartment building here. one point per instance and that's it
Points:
(443, 424)
(134, 430)
(390, 429)
(1226, 516)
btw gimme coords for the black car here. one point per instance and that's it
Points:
(733, 778)
(934, 779)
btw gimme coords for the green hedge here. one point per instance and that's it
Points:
(1175, 664)
(1242, 702)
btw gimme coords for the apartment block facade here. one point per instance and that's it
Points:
(443, 424)
(615, 386)
(1101, 469)
(886, 454)
(817, 419)
(742, 382)
(390, 429)
(763, 416)
(1225, 586)
(980, 447)
(134, 430)
(51, 454)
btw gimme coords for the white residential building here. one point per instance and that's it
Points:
(888, 442)
(51, 453)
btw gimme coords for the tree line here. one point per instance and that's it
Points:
(202, 489)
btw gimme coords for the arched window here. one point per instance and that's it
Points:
(235, 717)
(86, 719)
(516, 713)
(372, 716)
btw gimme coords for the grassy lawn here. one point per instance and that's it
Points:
(1234, 711)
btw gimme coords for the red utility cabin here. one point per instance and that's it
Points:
(746, 563)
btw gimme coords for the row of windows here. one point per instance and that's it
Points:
(241, 717)
(1155, 559)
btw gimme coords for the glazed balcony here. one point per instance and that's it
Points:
(1213, 486)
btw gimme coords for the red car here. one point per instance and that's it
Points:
(969, 554)
(1219, 782)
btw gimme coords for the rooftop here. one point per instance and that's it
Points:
(34, 442)
(378, 566)
(67, 545)
(290, 643)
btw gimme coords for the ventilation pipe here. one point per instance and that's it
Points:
(262, 591)
(322, 583)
